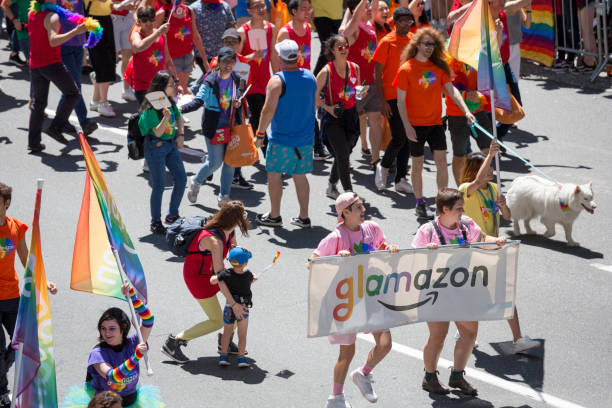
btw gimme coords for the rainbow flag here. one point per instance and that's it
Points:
(100, 229)
(539, 39)
(474, 42)
(36, 385)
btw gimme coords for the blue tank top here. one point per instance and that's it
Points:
(293, 121)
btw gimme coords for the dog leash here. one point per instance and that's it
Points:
(499, 142)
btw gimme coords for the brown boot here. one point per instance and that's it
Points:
(433, 385)
(457, 380)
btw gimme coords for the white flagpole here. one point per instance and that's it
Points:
(132, 311)
(17, 374)
(497, 172)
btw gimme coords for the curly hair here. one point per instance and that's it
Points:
(437, 57)
(331, 43)
(105, 399)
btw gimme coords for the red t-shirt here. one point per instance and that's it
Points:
(145, 65)
(361, 52)
(303, 43)
(11, 235)
(422, 82)
(179, 36)
(388, 54)
(41, 51)
(259, 75)
(340, 93)
(197, 268)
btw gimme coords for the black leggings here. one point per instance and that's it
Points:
(398, 146)
(326, 27)
(8, 318)
(341, 143)
(256, 103)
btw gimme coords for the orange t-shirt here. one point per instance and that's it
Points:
(10, 235)
(422, 82)
(388, 53)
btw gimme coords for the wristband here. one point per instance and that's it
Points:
(259, 135)
(143, 311)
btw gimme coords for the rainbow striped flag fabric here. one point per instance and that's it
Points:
(474, 42)
(36, 385)
(99, 230)
(539, 39)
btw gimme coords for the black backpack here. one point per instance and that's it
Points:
(183, 231)
(135, 140)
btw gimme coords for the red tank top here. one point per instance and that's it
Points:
(180, 37)
(339, 92)
(119, 12)
(504, 48)
(303, 43)
(41, 52)
(146, 64)
(197, 268)
(362, 52)
(260, 69)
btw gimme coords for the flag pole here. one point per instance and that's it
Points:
(17, 374)
(132, 311)
(497, 171)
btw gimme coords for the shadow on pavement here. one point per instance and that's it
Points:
(559, 246)
(8, 102)
(209, 366)
(299, 238)
(458, 400)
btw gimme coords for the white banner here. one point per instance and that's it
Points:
(367, 292)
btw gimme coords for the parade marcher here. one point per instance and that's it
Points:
(46, 66)
(289, 96)
(450, 227)
(339, 120)
(102, 56)
(113, 363)
(417, 8)
(327, 18)
(387, 58)
(72, 57)
(219, 95)
(354, 235)
(19, 37)
(380, 20)
(361, 34)
(123, 20)
(150, 53)
(238, 281)
(162, 141)
(205, 259)
(12, 241)
(212, 17)
(484, 205)
(421, 79)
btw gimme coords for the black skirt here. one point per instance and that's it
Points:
(102, 56)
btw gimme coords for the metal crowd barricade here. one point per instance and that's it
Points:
(575, 43)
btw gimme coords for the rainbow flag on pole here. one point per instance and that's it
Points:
(474, 42)
(539, 39)
(99, 229)
(35, 385)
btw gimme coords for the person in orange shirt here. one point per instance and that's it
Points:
(387, 58)
(420, 81)
(12, 234)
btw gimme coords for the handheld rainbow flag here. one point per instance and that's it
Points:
(273, 261)
(474, 41)
(99, 231)
(539, 39)
(35, 384)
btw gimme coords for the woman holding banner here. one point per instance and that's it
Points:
(354, 235)
(450, 227)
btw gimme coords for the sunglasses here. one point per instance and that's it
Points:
(342, 48)
(429, 44)
(258, 7)
(146, 19)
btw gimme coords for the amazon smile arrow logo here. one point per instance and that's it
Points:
(433, 296)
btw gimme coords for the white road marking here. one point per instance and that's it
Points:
(603, 267)
(484, 377)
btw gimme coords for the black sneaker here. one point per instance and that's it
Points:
(232, 349)
(16, 59)
(209, 178)
(172, 348)
(158, 228)
(89, 128)
(268, 221)
(5, 401)
(170, 219)
(68, 128)
(433, 385)
(241, 183)
(457, 380)
(322, 154)
(421, 212)
(36, 149)
(55, 133)
(301, 222)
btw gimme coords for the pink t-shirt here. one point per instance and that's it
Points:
(427, 233)
(369, 237)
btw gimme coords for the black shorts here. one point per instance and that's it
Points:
(102, 56)
(460, 132)
(433, 135)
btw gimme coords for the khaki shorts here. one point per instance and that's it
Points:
(370, 103)
(347, 339)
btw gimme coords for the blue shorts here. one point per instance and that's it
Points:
(229, 317)
(288, 160)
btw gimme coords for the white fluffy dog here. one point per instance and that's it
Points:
(533, 196)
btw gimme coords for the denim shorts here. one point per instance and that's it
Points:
(288, 160)
(229, 317)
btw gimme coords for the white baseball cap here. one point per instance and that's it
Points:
(288, 50)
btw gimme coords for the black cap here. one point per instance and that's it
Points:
(402, 12)
(225, 52)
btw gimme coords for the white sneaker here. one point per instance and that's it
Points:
(364, 383)
(194, 189)
(92, 76)
(337, 401)
(128, 95)
(105, 109)
(525, 343)
(222, 200)
(332, 191)
(380, 178)
(403, 186)
(145, 166)
(93, 106)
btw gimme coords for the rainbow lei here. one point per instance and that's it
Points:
(93, 26)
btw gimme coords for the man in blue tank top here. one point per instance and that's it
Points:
(290, 109)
